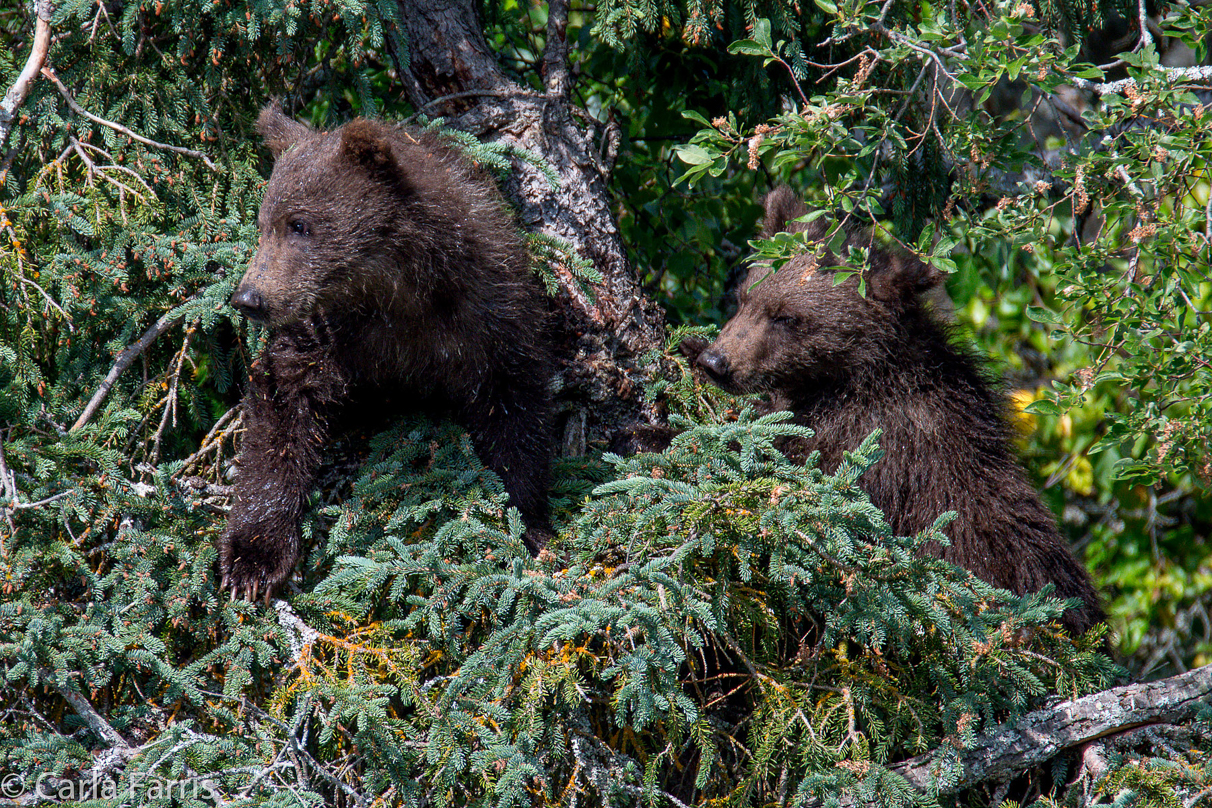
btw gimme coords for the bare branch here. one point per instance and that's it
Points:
(1203, 73)
(300, 635)
(7, 482)
(128, 355)
(555, 57)
(9, 485)
(296, 748)
(17, 506)
(211, 444)
(17, 94)
(1146, 38)
(1039, 736)
(1006, 751)
(76, 108)
(85, 710)
(50, 301)
(1208, 223)
(170, 398)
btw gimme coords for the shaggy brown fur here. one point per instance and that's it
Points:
(845, 365)
(387, 265)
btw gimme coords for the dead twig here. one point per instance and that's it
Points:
(93, 170)
(170, 399)
(213, 440)
(117, 127)
(128, 355)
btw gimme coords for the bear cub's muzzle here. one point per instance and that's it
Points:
(717, 368)
(249, 302)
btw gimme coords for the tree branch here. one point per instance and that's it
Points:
(300, 635)
(1039, 736)
(555, 56)
(76, 108)
(123, 361)
(17, 94)
(86, 711)
(1203, 73)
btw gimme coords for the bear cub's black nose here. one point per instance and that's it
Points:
(716, 365)
(249, 303)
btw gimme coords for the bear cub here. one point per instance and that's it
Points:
(387, 266)
(846, 364)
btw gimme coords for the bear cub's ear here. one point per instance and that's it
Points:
(278, 131)
(782, 205)
(900, 279)
(367, 145)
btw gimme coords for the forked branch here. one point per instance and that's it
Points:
(128, 355)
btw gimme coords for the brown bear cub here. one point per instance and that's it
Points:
(846, 364)
(387, 266)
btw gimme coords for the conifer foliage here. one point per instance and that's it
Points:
(713, 624)
(729, 625)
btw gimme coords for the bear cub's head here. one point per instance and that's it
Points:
(797, 330)
(326, 219)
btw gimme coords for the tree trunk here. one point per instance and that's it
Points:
(601, 338)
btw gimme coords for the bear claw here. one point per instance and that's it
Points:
(251, 567)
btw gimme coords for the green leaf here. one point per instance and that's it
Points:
(694, 155)
(761, 33)
(1044, 406)
(748, 47)
(971, 82)
(945, 265)
(946, 243)
(1127, 468)
(1042, 315)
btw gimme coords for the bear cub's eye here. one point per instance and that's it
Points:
(298, 227)
(787, 321)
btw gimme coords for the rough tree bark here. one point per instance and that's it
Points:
(1004, 752)
(1036, 737)
(15, 97)
(452, 72)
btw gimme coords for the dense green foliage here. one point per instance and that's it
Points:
(713, 623)
(438, 663)
(1118, 311)
(1105, 227)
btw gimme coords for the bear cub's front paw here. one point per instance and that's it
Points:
(254, 561)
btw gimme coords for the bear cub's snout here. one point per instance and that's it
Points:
(249, 302)
(715, 365)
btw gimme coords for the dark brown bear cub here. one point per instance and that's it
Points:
(387, 266)
(846, 364)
